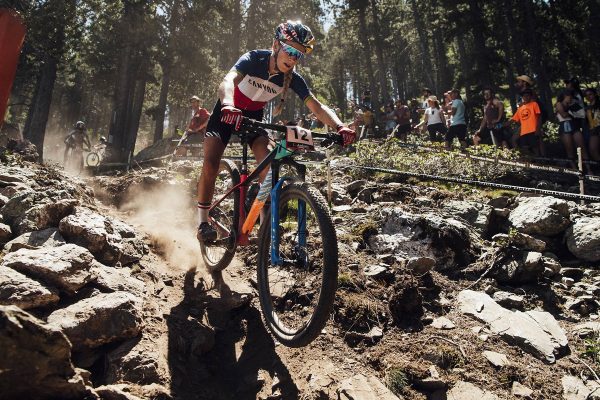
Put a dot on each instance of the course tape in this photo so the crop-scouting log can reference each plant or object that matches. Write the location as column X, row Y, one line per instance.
column 520, row 164
column 430, row 177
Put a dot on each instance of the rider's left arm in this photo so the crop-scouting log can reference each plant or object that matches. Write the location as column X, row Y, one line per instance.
column 323, row 113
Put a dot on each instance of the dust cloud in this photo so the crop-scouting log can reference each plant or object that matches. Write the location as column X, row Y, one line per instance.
column 167, row 215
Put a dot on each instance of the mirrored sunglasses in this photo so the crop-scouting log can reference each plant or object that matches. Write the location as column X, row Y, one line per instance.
column 291, row 51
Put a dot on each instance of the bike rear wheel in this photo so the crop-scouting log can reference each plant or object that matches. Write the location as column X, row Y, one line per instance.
column 92, row 159
column 224, row 218
column 297, row 295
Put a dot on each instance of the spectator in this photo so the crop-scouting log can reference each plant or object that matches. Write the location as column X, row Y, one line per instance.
column 426, row 95
column 528, row 115
column 577, row 107
column 402, row 113
column 388, row 119
column 434, row 119
column 415, row 116
column 593, row 119
column 369, row 118
column 366, row 99
column 569, row 136
column 195, row 131
column 458, row 124
column 524, row 82
column 491, row 129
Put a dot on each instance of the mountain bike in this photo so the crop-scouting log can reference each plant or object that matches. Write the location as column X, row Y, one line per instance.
column 297, row 244
column 96, row 155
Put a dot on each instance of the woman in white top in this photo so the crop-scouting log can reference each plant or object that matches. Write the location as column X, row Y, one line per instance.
column 434, row 119
column 569, row 131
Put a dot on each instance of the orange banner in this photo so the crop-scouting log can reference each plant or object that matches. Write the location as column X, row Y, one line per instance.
column 12, row 34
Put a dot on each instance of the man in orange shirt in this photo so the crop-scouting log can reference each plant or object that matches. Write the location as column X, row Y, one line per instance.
column 529, row 116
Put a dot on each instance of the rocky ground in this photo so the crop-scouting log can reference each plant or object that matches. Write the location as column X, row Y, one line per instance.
column 444, row 293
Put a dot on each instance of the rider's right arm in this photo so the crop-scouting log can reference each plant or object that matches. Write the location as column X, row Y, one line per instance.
column 227, row 86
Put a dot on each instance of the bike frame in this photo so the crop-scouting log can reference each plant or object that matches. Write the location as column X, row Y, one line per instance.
column 275, row 159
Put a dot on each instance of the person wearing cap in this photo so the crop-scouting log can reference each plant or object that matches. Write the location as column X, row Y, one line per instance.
column 528, row 115
column 434, row 119
column 195, row 129
column 458, row 123
column 524, row 82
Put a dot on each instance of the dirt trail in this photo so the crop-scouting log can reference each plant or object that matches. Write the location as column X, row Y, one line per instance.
column 244, row 361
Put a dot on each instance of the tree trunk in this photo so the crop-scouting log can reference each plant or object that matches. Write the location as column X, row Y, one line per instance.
column 137, row 102
column 40, row 109
column 236, row 32
column 382, row 67
column 480, row 51
column 537, row 58
column 162, row 102
column 366, row 45
column 423, row 43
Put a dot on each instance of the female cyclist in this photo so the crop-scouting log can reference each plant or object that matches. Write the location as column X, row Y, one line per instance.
column 255, row 79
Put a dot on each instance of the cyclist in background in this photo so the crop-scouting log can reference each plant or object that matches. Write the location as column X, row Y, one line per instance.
column 74, row 145
column 256, row 78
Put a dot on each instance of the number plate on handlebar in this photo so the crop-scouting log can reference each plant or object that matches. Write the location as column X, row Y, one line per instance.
column 297, row 138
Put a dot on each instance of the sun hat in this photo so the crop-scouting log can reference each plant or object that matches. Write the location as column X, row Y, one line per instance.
column 525, row 78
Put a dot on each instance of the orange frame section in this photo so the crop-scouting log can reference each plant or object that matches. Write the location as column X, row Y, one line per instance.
column 12, row 35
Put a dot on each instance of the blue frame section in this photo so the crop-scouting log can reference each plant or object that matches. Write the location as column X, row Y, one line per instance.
column 275, row 194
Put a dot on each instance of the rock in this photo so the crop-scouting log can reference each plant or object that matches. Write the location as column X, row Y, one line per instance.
column 536, row 332
column 406, row 302
column 115, row 392
column 342, row 208
column 583, row 305
column 36, row 359
column 519, row 268
column 568, row 282
column 551, row 265
column 583, row 238
column 574, row 273
column 499, row 202
column 519, row 390
column 3, row 200
column 420, row 265
column 574, row 388
column 476, row 214
column 375, row 271
column 468, row 391
column 498, row 360
column 546, row 216
column 101, row 319
column 527, row 242
column 446, row 240
column 443, row 323
column 44, row 216
column 32, row 240
column 371, row 337
column 110, row 241
column 5, row 233
column 532, row 261
column 21, row 291
column 354, row 187
column 118, row 279
column 66, row 267
column 139, row 362
column 509, row 300
column 360, row 387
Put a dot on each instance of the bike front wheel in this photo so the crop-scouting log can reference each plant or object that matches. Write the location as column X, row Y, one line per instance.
column 297, row 283
column 224, row 217
column 92, row 160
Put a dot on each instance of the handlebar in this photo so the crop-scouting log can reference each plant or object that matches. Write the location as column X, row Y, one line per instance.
column 328, row 138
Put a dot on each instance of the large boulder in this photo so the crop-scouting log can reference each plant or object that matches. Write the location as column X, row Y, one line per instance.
column 546, row 216
column 520, row 268
column 407, row 235
column 476, row 214
column 5, row 233
column 118, row 280
column 21, row 291
column 44, row 216
column 32, row 240
column 66, row 267
column 110, row 241
column 536, row 332
column 583, row 238
column 36, row 360
column 101, row 319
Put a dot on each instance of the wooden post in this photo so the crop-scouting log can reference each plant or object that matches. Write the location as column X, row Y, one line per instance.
column 580, row 166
